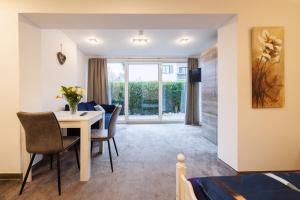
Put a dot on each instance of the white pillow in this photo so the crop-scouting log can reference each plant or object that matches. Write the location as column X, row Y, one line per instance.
column 98, row 108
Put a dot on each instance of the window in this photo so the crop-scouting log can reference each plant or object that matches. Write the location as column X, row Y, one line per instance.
column 173, row 93
column 182, row 70
column 148, row 91
column 116, row 84
column 167, row 69
column 143, row 89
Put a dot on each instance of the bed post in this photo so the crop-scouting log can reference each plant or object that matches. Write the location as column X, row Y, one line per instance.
column 180, row 171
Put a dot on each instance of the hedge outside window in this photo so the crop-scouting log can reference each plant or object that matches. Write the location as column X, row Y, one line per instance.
column 143, row 103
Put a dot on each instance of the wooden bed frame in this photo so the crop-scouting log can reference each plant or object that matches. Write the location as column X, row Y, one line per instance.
column 184, row 188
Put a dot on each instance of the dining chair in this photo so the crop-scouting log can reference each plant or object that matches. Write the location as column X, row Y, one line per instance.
column 100, row 135
column 43, row 136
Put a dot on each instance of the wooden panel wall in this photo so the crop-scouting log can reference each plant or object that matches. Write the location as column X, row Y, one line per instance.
column 208, row 63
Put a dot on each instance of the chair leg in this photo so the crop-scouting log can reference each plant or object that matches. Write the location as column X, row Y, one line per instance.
column 111, row 164
column 51, row 160
column 27, row 173
column 115, row 146
column 100, row 147
column 92, row 144
column 58, row 174
column 77, row 157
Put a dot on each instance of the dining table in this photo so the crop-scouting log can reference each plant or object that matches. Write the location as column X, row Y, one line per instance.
column 68, row 120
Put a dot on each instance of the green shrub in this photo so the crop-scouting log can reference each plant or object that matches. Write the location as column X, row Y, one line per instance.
column 173, row 93
column 143, row 96
column 117, row 91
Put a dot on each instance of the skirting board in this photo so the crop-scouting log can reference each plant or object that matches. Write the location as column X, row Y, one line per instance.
column 18, row 176
column 11, row 176
column 232, row 171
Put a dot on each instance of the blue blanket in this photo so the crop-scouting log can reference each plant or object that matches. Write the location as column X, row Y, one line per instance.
column 254, row 186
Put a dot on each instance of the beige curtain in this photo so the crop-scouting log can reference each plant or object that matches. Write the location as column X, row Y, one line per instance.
column 97, row 81
column 192, row 96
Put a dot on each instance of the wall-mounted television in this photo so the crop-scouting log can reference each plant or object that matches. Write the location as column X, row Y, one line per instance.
column 195, row 75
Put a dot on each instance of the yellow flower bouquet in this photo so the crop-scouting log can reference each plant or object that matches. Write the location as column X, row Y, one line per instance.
column 73, row 95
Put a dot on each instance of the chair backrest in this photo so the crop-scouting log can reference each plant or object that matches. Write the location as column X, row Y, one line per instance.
column 42, row 132
column 112, row 122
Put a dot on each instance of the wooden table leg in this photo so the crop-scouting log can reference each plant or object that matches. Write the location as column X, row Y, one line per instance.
column 85, row 151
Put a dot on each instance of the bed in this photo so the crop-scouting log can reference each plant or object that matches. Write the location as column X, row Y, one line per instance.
column 250, row 186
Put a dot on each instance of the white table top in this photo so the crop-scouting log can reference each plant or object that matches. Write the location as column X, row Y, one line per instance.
column 67, row 116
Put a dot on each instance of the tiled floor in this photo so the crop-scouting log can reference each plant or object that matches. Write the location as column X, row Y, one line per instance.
column 145, row 169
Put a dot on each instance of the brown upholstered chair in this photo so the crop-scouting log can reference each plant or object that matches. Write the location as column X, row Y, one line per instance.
column 107, row 134
column 43, row 136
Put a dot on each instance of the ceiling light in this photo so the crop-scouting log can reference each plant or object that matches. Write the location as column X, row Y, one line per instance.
column 184, row 40
column 140, row 39
column 93, row 40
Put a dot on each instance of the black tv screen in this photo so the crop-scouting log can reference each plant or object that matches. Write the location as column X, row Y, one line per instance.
column 195, row 75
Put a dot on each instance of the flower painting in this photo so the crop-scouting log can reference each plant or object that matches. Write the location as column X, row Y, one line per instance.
column 267, row 67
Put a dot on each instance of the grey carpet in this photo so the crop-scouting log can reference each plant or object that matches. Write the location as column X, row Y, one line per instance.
column 144, row 170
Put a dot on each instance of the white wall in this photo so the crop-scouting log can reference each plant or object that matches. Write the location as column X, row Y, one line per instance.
column 227, row 94
column 268, row 139
column 30, row 66
column 40, row 72
column 9, row 88
column 72, row 73
column 82, row 74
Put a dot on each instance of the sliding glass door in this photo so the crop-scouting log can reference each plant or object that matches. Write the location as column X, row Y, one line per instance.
column 148, row 91
column 116, row 85
column 174, row 77
column 143, row 86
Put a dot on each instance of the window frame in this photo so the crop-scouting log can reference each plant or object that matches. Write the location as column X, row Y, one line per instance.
column 160, row 62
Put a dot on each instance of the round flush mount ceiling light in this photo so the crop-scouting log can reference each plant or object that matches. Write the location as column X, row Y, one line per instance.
column 184, row 40
column 93, row 40
column 140, row 39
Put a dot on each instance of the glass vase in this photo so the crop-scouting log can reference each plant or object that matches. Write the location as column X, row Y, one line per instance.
column 73, row 108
